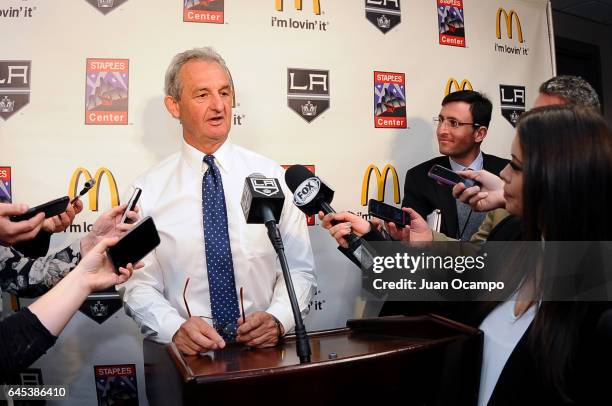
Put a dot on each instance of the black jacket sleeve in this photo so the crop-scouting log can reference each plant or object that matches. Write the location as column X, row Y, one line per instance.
column 36, row 247
column 23, row 339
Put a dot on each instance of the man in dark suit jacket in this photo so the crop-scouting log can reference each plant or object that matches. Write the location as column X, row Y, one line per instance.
column 462, row 126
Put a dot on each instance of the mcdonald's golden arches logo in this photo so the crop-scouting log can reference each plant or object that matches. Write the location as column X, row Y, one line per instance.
column 94, row 193
column 316, row 5
column 509, row 18
column 452, row 83
column 381, row 182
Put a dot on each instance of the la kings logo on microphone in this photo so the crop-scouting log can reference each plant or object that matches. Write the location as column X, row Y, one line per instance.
column 265, row 186
column 384, row 14
column 306, row 191
column 308, row 92
column 14, row 86
column 512, row 100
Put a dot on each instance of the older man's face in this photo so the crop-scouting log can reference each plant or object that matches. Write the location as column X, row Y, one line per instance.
column 205, row 106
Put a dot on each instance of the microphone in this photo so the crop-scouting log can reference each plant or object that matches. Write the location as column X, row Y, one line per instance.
column 311, row 195
column 262, row 199
column 262, row 203
column 88, row 185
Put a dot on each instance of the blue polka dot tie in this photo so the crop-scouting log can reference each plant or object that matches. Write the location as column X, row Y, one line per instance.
column 221, row 283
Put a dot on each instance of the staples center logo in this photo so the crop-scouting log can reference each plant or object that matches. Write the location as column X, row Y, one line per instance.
column 5, row 184
column 452, row 85
column 94, row 193
column 106, row 91
column 204, row 11
column 381, row 182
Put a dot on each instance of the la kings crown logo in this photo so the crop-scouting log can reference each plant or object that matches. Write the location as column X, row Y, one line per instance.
column 106, row 6
column 14, row 86
column 308, row 92
column 384, row 14
column 512, row 100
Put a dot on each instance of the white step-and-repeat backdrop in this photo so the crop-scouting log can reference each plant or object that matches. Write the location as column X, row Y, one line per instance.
column 81, row 95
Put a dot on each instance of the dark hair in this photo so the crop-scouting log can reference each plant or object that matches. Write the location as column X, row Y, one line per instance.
column 567, row 173
column 573, row 89
column 480, row 105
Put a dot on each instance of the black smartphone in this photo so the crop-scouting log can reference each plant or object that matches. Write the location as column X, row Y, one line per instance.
column 448, row 177
column 387, row 212
column 135, row 244
column 131, row 205
column 52, row 208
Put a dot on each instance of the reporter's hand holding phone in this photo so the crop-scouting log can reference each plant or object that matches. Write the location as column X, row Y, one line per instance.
column 417, row 231
column 108, row 225
column 95, row 272
column 61, row 222
column 488, row 196
column 13, row 232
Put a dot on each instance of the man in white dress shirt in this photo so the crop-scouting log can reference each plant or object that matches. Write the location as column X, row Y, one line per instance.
column 180, row 193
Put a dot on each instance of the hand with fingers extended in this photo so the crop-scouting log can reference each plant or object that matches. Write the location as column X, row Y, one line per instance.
column 417, row 231
column 108, row 225
column 346, row 223
column 195, row 335
column 14, row 232
column 62, row 221
column 98, row 272
column 488, row 196
column 259, row 330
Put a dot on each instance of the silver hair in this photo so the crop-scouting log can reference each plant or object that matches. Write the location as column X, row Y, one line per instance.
column 173, row 86
column 573, row 89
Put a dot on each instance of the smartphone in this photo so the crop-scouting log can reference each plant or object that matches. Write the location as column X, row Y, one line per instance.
column 448, row 177
column 387, row 212
column 135, row 244
column 52, row 208
column 131, row 205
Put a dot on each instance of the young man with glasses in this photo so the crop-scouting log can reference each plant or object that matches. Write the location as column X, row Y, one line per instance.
column 462, row 125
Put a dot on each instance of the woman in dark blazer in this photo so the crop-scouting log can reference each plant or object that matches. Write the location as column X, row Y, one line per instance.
column 558, row 187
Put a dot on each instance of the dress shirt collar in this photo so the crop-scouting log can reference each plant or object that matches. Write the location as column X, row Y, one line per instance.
column 475, row 166
column 195, row 158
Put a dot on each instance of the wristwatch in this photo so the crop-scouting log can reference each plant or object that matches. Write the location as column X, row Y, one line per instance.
column 279, row 326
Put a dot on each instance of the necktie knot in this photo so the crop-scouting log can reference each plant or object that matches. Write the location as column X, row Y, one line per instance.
column 209, row 160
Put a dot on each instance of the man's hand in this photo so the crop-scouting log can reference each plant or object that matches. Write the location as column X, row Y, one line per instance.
column 13, row 232
column 348, row 223
column 488, row 196
column 62, row 221
column 259, row 330
column 418, row 230
column 195, row 336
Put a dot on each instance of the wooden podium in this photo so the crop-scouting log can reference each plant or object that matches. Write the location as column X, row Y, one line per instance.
column 425, row 360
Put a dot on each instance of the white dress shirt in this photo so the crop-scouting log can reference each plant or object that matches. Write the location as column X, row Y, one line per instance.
column 502, row 332
column 172, row 195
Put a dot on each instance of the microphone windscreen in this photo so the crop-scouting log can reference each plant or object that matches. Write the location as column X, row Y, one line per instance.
column 295, row 175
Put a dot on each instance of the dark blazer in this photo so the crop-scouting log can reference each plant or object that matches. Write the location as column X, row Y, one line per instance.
column 522, row 380
column 424, row 195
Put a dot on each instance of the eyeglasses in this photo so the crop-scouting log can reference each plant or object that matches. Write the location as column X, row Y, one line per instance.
column 452, row 122
column 228, row 329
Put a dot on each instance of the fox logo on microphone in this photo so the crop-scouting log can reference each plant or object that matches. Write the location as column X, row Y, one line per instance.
column 306, row 191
